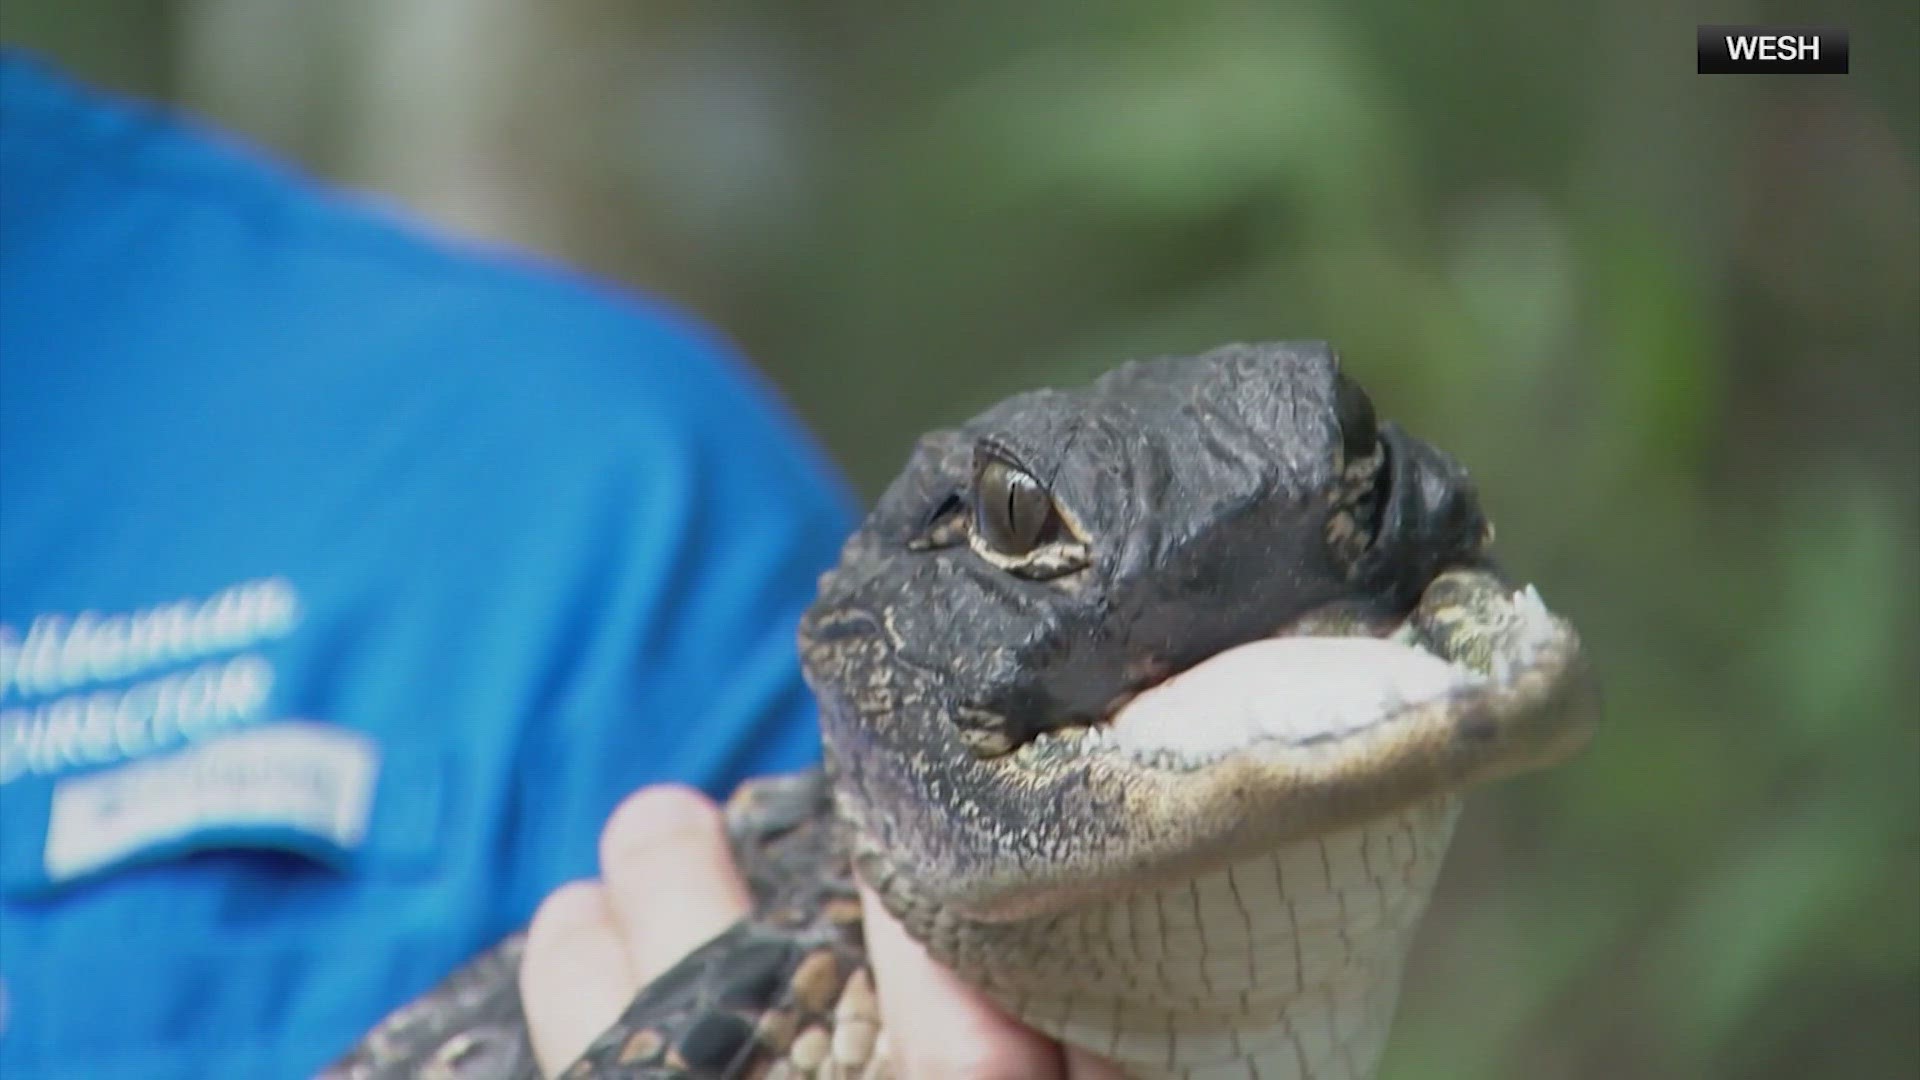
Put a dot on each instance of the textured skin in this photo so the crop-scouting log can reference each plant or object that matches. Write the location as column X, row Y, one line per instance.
column 1206, row 910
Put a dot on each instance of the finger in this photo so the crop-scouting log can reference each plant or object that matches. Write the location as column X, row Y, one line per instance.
column 940, row 1028
column 669, row 875
column 574, row 978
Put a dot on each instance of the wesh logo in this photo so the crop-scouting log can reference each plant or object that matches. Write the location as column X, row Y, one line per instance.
column 1772, row 50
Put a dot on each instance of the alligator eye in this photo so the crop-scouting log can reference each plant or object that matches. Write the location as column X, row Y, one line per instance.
column 1354, row 411
column 1012, row 513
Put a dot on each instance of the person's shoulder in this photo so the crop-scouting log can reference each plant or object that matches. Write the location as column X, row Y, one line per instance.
column 342, row 288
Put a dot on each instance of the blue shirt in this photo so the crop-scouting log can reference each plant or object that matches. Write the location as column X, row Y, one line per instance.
column 348, row 579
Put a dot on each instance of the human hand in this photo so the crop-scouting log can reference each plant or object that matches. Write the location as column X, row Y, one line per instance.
column 594, row 944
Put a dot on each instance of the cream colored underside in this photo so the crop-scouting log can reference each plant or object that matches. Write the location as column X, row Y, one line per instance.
column 1283, row 967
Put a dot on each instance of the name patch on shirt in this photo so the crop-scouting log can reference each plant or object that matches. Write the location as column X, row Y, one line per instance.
column 294, row 784
column 90, row 688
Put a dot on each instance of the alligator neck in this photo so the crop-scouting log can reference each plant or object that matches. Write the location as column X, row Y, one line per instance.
column 1283, row 965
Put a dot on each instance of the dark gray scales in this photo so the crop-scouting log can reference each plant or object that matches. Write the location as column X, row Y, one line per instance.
column 1029, row 574
column 752, row 990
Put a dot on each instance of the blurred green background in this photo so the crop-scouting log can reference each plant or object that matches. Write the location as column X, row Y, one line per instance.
column 1671, row 322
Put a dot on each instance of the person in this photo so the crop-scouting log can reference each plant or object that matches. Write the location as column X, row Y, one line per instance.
column 350, row 577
